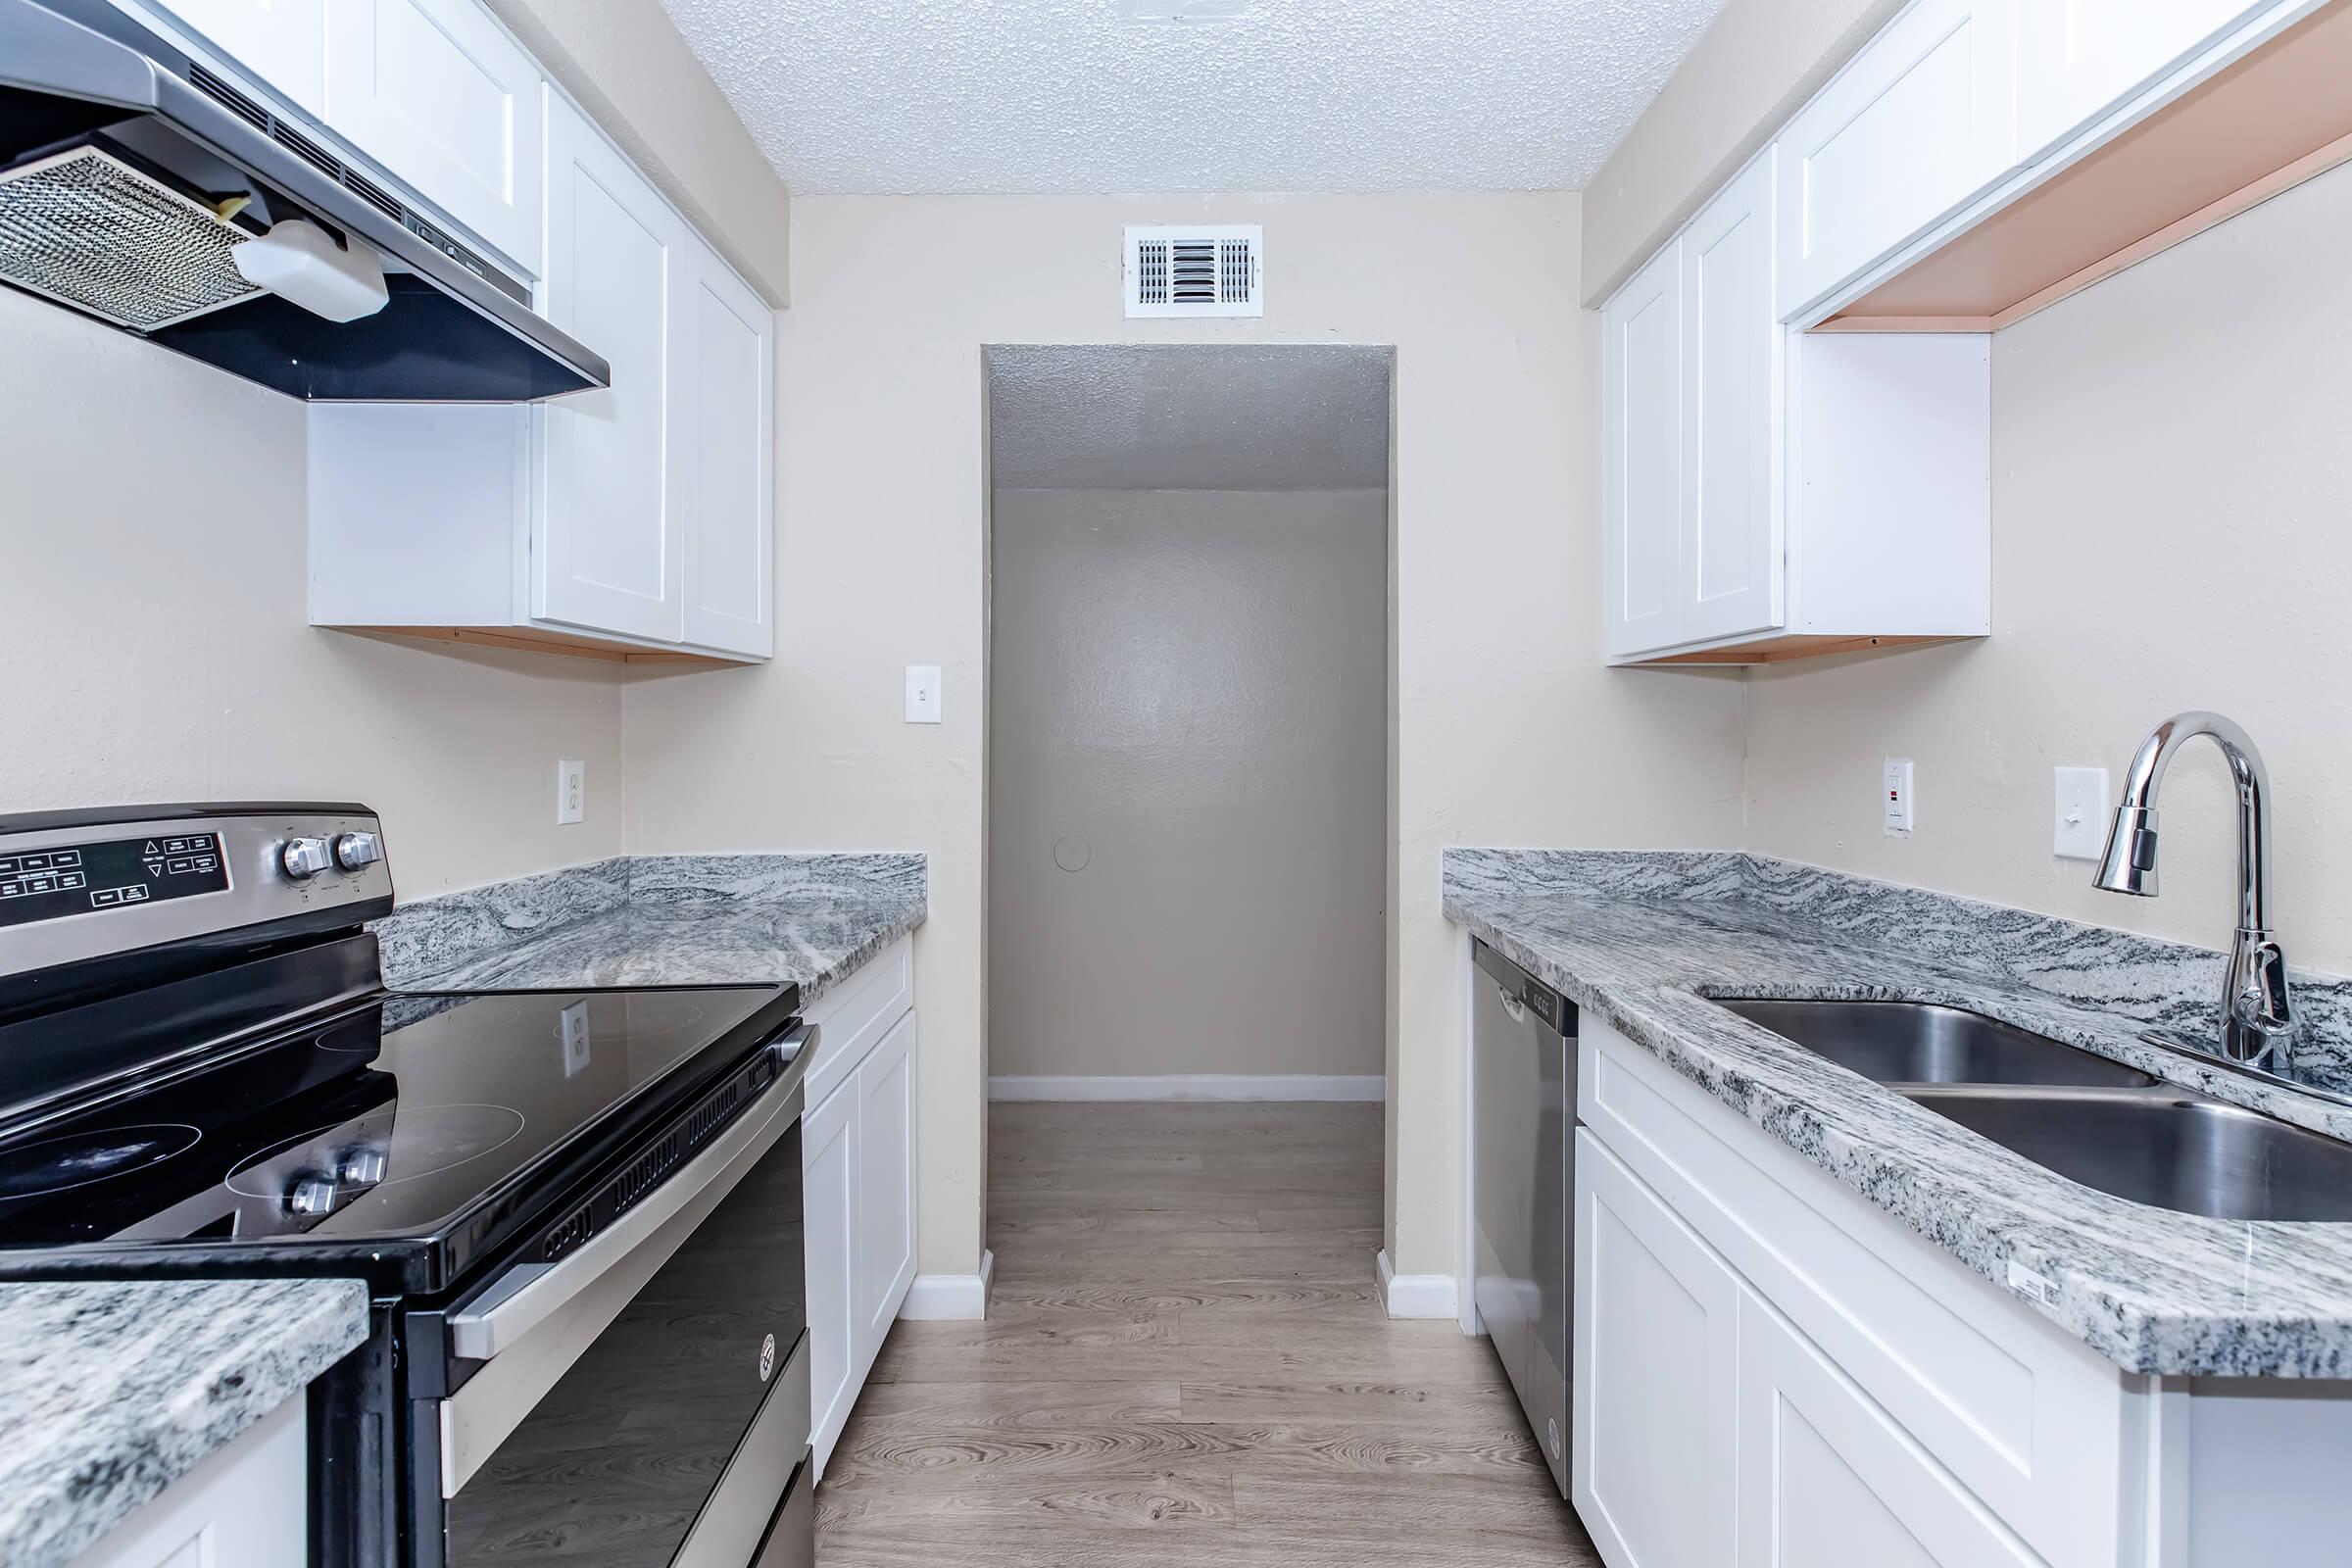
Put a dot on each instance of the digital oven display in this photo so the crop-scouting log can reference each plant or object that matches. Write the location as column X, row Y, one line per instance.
column 51, row 884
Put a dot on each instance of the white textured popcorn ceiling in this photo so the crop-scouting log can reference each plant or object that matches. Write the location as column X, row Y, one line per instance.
column 1036, row 96
column 1188, row 417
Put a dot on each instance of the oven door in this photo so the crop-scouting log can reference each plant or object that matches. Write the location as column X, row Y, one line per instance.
column 644, row 1402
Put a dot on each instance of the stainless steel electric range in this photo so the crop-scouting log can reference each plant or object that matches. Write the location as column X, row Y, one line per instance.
column 578, row 1213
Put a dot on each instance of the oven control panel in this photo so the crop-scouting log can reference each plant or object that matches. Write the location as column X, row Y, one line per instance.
column 45, row 884
column 77, row 885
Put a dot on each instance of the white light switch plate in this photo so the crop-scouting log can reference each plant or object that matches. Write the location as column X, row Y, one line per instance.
column 2080, row 830
column 1897, row 795
column 571, row 791
column 922, row 693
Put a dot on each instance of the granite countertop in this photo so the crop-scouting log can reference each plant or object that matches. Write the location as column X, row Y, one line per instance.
column 662, row 920
column 114, row 1390
column 1644, row 938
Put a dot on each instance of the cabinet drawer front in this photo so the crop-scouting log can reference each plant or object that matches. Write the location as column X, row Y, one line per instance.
column 1922, row 120
column 856, row 1014
column 2029, row 1419
column 1651, row 1471
column 1827, row 1480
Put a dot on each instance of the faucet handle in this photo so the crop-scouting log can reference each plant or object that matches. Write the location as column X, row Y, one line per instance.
column 2261, row 1002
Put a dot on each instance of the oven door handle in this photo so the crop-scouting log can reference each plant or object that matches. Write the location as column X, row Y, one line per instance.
column 528, row 1294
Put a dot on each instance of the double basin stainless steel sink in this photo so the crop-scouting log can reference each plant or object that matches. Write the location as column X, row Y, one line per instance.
column 2094, row 1121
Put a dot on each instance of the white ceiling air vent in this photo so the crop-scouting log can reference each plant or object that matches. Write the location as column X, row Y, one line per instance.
column 1209, row 269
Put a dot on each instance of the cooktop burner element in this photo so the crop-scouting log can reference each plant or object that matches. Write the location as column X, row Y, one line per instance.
column 77, row 1160
column 425, row 1141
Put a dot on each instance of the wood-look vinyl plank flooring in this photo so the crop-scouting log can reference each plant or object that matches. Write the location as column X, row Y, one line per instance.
column 1186, row 1362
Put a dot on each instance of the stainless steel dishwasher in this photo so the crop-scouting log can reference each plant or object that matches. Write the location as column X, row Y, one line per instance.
column 1523, row 1118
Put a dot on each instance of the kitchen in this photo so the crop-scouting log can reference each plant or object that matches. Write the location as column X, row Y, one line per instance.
column 2066, row 270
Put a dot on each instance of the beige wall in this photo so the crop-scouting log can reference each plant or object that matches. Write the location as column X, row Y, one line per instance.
column 1511, row 729
column 1756, row 64
column 630, row 68
column 1192, row 685
column 2171, row 475
column 157, row 640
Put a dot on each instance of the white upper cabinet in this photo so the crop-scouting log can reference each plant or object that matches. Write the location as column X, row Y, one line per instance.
column 724, row 435
column 280, row 43
column 1641, row 461
column 2076, row 59
column 440, row 95
column 1730, row 578
column 608, row 539
column 1922, row 120
column 634, row 521
column 1693, row 519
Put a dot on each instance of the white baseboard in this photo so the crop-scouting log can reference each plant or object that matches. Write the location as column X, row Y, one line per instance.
column 942, row 1298
column 1372, row 1087
column 1415, row 1294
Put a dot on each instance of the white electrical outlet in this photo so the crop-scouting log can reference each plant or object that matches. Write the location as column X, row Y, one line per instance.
column 1898, row 796
column 576, row 1042
column 922, row 693
column 571, row 791
column 2079, row 831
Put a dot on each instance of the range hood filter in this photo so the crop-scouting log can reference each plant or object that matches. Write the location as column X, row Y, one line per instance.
column 88, row 229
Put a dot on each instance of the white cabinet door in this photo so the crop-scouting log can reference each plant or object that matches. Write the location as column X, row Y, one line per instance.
column 828, row 1195
column 246, row 1505
column 725, row 438
column 280, row 43
column 608, row 539
column 1826, row 1479
column 1653, row 1472
column 882, row 1262
column 1641, row 459
column 1730, row 578
column 1922, row 120
column 436, row 92
column 2077, row 59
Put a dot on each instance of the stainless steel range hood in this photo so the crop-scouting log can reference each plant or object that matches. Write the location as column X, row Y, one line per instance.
column 129, row 172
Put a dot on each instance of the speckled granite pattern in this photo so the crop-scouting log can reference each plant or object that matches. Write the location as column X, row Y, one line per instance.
column 111, row 1390
column 681, row 919
column 437, row 934
column 1643, row 940
column 2170, row 987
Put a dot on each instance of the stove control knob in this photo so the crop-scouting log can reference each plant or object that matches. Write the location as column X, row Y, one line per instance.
column 356, row 851
column 304, row 858
column 361, row 1167
column 311, row 1194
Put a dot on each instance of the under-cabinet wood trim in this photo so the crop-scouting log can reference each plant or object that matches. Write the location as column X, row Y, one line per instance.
column 537, row 640
column 2240, row 95
column 1781, row 650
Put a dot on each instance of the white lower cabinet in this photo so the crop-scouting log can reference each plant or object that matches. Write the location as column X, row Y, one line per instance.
column 1656, row 1345
column 829, row 1176
column 244, row 1506
column 1827, row 1480
column 1772, row 1372
column 858, row 1144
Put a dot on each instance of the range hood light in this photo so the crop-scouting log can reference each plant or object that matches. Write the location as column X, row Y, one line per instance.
column 302, row 265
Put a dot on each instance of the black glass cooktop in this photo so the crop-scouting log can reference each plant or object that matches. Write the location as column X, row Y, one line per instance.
column 387, row 1130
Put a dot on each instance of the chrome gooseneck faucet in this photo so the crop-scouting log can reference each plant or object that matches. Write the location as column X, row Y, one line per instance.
column 2256, row 1018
